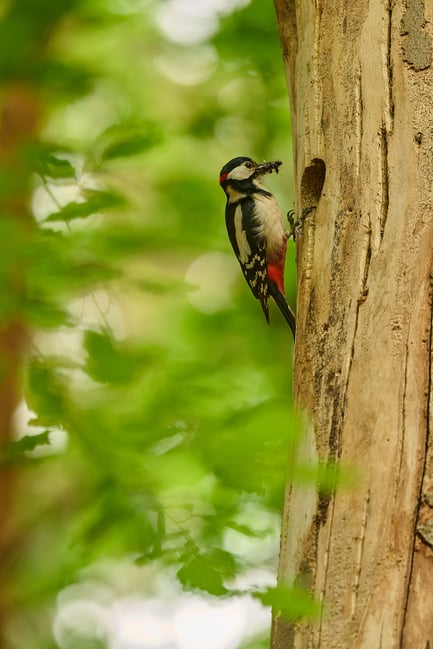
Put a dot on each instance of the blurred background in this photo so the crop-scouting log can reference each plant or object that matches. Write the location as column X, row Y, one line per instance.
column 143, row 471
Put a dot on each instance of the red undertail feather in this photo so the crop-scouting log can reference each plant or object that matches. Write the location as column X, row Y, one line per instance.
column 276, row 275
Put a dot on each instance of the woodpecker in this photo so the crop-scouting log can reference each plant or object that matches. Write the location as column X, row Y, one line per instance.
column 256, row 231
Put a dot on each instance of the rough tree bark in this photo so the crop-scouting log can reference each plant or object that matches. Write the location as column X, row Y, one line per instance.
column 360, row 81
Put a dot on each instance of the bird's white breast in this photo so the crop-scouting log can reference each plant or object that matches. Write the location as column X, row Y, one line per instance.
column 269, row 221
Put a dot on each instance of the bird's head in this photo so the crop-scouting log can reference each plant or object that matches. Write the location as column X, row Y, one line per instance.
column 242, row 173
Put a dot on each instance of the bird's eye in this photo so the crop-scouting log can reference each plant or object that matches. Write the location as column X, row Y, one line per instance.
column 249, row 165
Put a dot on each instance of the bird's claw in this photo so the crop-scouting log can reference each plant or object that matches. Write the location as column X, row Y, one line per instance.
column 296, row 226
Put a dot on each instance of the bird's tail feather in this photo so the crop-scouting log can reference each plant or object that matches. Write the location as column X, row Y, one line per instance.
column 283, row 306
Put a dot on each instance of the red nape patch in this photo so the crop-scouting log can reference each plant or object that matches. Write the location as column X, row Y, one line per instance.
column 275, row 274
column 223, row 177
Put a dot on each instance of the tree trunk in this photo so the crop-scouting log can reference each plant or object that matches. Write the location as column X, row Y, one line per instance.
column 360, row 82
column 19, row 111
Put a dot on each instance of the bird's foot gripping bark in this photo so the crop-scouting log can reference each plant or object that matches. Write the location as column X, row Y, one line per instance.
column 297, row 225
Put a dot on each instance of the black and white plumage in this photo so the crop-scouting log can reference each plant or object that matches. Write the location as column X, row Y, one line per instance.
column 256, row 230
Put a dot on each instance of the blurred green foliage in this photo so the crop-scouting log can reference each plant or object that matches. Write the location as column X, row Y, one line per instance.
column 160, row 421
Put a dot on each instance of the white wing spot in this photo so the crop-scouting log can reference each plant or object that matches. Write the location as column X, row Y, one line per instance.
column 241, row 237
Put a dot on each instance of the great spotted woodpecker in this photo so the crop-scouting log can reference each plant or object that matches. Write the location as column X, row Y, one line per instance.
column 256, row 230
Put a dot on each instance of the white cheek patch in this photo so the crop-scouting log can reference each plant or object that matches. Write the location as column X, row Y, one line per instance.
column 240, row 173
column 241, row 237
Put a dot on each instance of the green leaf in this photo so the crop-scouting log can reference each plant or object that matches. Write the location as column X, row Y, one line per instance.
column 128, row 138
column 291, row 602
column 96, row 202
column 207, row 571
column 109, row 361
column 44, row 314
column 120, row 521
column 48, row 165
column 30, row 442
column 46, row 393
column 131, row 145
column 14, row 452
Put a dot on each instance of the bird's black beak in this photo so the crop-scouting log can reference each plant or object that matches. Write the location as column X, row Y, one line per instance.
column 268, row 167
